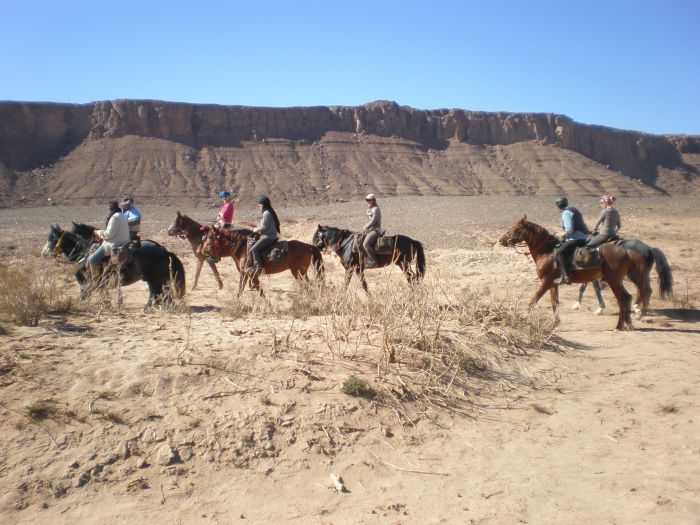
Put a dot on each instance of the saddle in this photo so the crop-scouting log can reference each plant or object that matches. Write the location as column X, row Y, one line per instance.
column 122, row 255
column 275, row 253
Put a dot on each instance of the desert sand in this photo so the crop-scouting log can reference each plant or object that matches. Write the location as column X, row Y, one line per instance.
column 230, row 410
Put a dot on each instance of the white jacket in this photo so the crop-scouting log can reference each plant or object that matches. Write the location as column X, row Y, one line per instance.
column 116, row 234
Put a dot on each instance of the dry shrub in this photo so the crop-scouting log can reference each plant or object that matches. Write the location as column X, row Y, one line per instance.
column 29, row 292
column 427, row 341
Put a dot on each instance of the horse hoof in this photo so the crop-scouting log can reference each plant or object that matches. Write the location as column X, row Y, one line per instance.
column 576, row 306
column 599, row 311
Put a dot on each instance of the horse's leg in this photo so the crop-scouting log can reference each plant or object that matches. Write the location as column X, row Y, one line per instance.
column 348, row 276
column 405, row 266
column 545, row 285
column 197, row 270
column 578, row 302
column 624, row 318
column 212, row 265
column 361, row 276
column 599, row 295
column 554, row 298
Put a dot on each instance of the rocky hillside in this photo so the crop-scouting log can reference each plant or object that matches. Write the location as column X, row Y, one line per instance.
column 172, row 152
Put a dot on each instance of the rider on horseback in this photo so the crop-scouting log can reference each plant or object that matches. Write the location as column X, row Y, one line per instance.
column 574, row 234
column 223, row 221
column 114, row 236
column 372, row 230
column 133, row 217
column 268, row 234
column 608, row 220
column 225, row 217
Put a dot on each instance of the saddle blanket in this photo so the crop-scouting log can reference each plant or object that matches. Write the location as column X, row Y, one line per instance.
column 274, row 253
column 585, row 257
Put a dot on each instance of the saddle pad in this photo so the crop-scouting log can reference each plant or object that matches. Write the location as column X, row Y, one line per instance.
column 585, row 257
column 277, row 252
column 385, row 245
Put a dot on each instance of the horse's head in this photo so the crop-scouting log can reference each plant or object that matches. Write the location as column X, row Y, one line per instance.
column 83, row 230
column 325, row 237
column 515, row 235
column 177, row 227
column 55, row 234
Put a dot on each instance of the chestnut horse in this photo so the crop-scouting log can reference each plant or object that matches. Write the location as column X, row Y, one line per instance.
column 616, row 264
column 298, row 258
column 187, row 228
column 405, row 251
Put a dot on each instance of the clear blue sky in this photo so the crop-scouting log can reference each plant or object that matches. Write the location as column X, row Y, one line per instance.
column 629, row 64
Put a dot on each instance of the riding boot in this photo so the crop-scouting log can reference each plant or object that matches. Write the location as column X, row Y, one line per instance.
column 561, row 263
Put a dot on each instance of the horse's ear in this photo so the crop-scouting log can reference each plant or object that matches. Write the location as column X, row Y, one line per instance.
column 178, row 213
column 320, row 227
column 524, row 218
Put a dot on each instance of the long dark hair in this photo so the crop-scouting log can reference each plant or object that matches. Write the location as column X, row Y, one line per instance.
column 265, row 201
column 113, row 208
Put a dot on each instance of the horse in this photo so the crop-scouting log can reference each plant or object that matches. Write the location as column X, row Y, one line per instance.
column 149, row 262
column 405, row 251
column 187, row 228
column 74, row 247
column 647, row 256
column 616, row 264
column 297, row 259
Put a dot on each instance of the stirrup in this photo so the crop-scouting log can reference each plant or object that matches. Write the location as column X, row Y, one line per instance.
column 213, row 259
column 370, row 263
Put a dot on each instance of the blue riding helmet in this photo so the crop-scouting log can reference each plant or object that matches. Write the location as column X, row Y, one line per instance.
column 224, row 194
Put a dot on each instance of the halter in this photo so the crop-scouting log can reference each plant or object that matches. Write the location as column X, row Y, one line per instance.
column 57, row 246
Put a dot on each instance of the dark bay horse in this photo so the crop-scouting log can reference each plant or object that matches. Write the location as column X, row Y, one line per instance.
column 150, row 262
column 187, row 228
column 298, row 259
column 647, row 256
column 616, row 264
column 406, row 250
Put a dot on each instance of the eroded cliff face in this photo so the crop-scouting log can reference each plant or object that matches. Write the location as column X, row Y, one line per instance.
column 93, row 150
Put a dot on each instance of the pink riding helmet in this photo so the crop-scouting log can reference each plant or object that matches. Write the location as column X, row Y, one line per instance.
column 608, row 198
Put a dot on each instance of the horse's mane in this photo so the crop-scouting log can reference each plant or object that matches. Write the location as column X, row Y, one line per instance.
column 189, row 222
column 548, row 240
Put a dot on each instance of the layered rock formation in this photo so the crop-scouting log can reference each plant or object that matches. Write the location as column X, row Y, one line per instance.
column 170, row 151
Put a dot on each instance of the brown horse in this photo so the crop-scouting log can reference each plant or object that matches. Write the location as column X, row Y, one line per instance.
column 405, row 251
column 298, row 258
column 616, row 264
column 187, row 228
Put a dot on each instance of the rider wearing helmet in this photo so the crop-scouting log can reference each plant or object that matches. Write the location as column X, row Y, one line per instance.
column 574, row 232
column 268, row 230
column 372, row 230
column 608, row 221
column 225, row 217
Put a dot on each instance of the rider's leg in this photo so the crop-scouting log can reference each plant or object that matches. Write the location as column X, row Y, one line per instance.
column 368, row 245
column 95, row 261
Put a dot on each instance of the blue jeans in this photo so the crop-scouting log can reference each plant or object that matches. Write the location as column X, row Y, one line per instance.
column 98, row 255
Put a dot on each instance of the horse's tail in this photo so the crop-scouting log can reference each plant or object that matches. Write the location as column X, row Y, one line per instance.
column 420, row 259
column 663, row 270
column 317, row 261
column 177, row 272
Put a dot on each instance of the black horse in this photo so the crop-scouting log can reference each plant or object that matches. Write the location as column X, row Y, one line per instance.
column 149, row 262
column 342, row 242
column 650, row 256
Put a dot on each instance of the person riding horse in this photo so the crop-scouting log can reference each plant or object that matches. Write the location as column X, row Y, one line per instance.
column 574, row 233
column 133, row 217
column 372, row 230
column 268, row 232
column 608, row 221
column 115, row 235
column 225, row 217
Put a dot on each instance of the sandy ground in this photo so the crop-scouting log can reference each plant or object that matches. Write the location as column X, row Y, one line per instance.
column 207, row 417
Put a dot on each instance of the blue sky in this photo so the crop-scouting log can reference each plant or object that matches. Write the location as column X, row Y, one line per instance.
column 624, row 64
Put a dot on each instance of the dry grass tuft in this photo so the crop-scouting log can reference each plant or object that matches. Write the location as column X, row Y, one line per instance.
column 30, row 292
column 42, row 409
